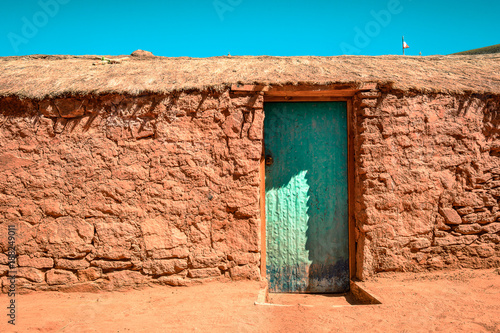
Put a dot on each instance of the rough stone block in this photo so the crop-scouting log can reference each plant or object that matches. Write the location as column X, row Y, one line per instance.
column 114, row 240
column 233, row 124
column 21, row 284
column 66, row 237
column 436, row 262
column 72, row 264
column 59, row 277
column 205, row 261
column 178, row 252
column 421, row 243
column 389, row 262
column 470, row 218
column 89, row 274
column 4, row 270
column 164, row 267
column 451, row 216
column 447, row 240
column 175, row 281
column 490, row 238
column 125, row 279
column 485, row 217
column 111, row 265
column 256, row 131
column 465, row 210
column 469, row 199
column 31, row 274
column 52, row 208
column 159, row 234
column 26, row 261
column 246, row 272
column 468, row 229
column 244, row 258
column 491, row 228
column 485, row 250
column 204, row 273
column 368, row 102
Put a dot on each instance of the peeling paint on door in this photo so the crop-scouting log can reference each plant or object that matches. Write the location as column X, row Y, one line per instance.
column 306, row 197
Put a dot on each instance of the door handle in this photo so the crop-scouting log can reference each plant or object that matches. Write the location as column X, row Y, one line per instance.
column 269, row 160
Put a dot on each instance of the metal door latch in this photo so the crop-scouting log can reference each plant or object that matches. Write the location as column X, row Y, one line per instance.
column 269, row 160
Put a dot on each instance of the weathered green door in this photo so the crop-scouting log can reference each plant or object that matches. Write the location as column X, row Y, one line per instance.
column 306, row 197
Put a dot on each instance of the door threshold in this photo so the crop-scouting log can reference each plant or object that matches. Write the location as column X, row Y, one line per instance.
column 357, row 295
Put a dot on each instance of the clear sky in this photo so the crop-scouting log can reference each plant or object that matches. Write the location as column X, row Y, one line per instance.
column 206, row 28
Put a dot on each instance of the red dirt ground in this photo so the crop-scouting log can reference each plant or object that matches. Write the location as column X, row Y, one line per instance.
column 451, row 301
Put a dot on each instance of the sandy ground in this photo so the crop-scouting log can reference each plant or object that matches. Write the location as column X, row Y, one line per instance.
column 452, row 301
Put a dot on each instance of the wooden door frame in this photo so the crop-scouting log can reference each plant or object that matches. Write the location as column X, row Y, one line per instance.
column 311, row 93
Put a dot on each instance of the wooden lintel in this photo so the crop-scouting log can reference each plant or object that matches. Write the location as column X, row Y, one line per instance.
column 302, row 87
column 338, row 90
column 311, row 93
column 305, row 98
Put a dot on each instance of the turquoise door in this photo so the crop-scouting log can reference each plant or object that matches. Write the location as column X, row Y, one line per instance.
column 306, row 197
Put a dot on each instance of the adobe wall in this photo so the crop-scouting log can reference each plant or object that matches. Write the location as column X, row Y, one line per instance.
column 116, row 191
column 427, row 182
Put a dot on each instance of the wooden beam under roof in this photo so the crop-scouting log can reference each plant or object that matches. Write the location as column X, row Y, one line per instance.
column 304, row 91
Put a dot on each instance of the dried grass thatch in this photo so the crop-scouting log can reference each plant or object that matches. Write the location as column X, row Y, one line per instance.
column 40, row 76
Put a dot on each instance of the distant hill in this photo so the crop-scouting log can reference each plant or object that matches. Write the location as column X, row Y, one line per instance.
column 483, row 50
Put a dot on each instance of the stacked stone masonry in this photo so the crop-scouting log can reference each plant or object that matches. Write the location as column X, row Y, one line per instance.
column 116, row 191
column 427, row 184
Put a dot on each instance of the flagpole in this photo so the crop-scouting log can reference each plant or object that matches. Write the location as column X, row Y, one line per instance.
column 403, row 44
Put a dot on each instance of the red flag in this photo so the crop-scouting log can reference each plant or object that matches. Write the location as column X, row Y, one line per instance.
column 405, row 46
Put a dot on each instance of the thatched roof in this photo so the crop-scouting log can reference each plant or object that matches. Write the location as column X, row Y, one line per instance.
column 38, row 76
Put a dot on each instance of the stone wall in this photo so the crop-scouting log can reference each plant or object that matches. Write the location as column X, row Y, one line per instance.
column 427, row 181
column 116, row 191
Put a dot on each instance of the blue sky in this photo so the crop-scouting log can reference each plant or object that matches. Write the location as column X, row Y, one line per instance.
column 206, row 28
